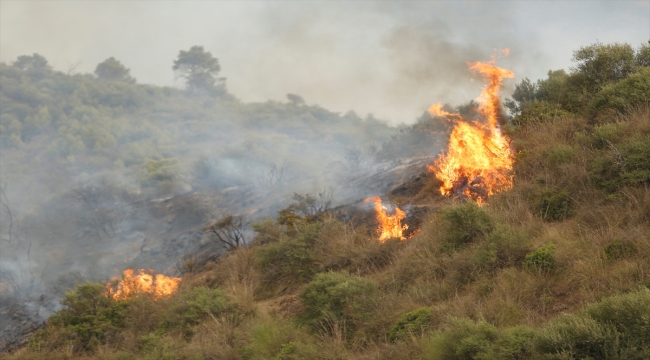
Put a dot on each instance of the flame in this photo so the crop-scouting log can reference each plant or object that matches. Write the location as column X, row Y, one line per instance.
column 144, row 282
column 390, row 226
column 479, row 160
column 436, row 110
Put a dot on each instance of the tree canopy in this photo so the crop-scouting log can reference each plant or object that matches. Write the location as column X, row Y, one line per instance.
column 113, row 70
column 199, row 69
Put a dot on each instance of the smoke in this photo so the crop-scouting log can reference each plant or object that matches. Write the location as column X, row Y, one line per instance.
column 389, row 59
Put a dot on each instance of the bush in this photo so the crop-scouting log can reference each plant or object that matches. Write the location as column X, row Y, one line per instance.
column 194, row 305
column 554, row 205
column 466, row 223
column 465, row 339
column 336, row 298
column 413, row 322
column 290, row 261
column 618, row 250
column 88, row 319
column 635, row 153
column 542, row 259
column 278, row 341
column 560, row 155
column 510, row 246
column 624, row 94
column 615, row 328
column 539, row 111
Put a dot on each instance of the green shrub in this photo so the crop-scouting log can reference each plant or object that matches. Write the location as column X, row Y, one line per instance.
column 290, row 261
column 463, row 339
column 539, row 111
column 618, row 250
column 279, row 341
column 336, row 297
column 554, row 205
column 194, row 306
column 542, row 259
column 625, row 94
column 605, row 174
column 413, row 322
column 466, row 223
column 635, row 154
column 510, row 246
column 88, row 319
column 561, row 154
column 614, row 328
column 606, row 134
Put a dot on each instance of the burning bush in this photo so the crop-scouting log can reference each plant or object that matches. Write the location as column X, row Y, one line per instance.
column 390, row 226
column 144, row 282
column 478, row 161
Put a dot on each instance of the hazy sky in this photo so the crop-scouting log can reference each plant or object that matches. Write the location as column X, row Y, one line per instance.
column 391, row 59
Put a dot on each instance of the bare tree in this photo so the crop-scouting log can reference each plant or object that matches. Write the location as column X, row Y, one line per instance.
column 228, row 231
column 11, row 216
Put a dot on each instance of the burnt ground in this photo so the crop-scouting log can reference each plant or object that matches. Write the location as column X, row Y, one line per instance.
column 162, row 234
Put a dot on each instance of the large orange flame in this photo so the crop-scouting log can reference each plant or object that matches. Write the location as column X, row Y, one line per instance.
column 144, row 282
column 390, row 226
column 478, row 161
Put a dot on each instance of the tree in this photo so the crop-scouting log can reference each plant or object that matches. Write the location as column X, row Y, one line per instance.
column 296, row 100
column 34, row 62
column 200, row 69
column 113, row 70
column 602, row 64
column 228, row 231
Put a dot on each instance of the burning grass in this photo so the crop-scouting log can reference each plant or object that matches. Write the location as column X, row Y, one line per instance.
column 136, row 282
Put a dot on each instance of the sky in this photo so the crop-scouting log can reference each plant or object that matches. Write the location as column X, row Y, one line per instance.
column 389, row 59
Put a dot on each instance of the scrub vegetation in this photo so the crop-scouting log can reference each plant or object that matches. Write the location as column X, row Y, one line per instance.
column 556, row 268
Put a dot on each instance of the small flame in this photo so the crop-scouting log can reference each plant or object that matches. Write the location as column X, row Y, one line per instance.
column 479, row 160
column 144, row 282
column 390, row 226
column 436, row 110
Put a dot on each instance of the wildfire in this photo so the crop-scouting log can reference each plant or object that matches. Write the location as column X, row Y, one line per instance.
column 390, row 226
column 144, row 282
column 478, row 161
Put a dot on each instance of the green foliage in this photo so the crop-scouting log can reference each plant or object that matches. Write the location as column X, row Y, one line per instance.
column 291, row 260
column 561, row 154
column 539, row 111
column 625, row 94
column 113, row 70
column 615, row 328
column 267, row 230
column 554, row 205
column 412, row 323
column 88, row 319
column 194, row 306
column 161, row 171
column 635, row 153
column 200, row 69
column 279, row 341
column 33, row 62
column 619, row 249
column 336, row 298
column 542, row 259
column 465, row 339
column 466, row 223
column 510, row 247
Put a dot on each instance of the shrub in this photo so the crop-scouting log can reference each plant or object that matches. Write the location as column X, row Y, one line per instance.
column 278, row 341
column 560, row 155
column 605, row 174
column 336, row 297
column 619, row 249
column 413, row 322
column 290, row 261
column 615, row 328
column 539, row 111
column 463, row 339
column 510, row 246
column 466, row 223
column 607, row 134
column 635, row 154
column 625, row 94
column 554, row 205
column 542, row 259
column 194, row 306
column 88, row 319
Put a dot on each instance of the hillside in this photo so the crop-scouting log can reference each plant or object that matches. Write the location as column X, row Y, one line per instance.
column 556, row 267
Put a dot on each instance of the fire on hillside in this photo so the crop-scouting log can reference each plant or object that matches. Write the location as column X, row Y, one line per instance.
column 158, row 286
column 478, row 161
column 390, row 226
